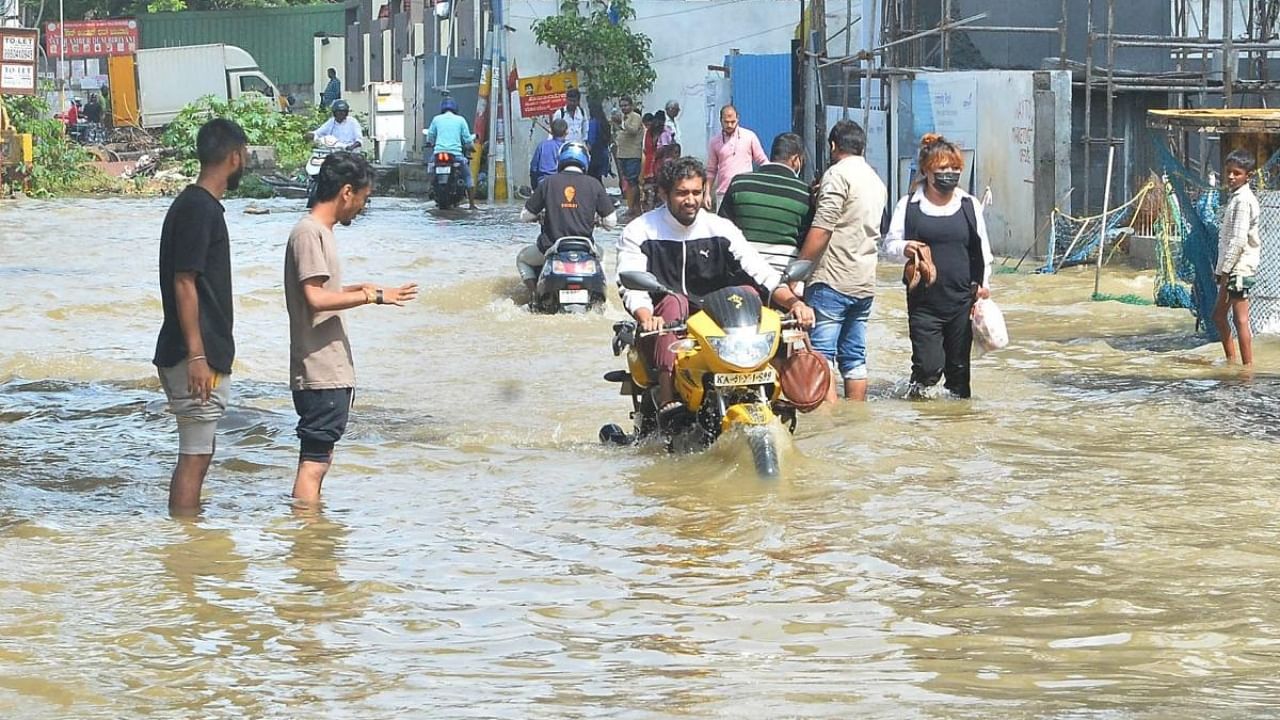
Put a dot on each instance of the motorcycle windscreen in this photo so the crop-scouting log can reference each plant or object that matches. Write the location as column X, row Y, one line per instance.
column 733, row 307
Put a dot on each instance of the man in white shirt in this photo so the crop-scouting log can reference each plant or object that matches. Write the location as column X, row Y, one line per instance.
column 341, row 126
column 673, row 111
column 576, row 117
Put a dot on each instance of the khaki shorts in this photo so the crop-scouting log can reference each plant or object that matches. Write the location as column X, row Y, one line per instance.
column 197, row 421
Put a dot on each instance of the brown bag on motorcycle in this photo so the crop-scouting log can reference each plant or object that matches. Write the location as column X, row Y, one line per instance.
column 805, row 375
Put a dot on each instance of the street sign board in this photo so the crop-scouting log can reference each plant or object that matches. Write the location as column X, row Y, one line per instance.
column 18, row 61
column 541, row 95
column 91, row 38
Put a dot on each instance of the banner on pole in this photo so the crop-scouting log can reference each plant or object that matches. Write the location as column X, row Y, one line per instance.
column 91, row 38
column 541, row 95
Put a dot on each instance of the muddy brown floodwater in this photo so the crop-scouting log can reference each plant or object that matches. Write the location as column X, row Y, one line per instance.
column 1093, row 536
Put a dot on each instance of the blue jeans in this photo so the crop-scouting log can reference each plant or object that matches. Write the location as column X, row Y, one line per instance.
column 840, row 330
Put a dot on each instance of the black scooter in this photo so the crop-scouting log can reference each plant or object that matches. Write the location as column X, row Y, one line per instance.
column 447, row 186
column 572, row 278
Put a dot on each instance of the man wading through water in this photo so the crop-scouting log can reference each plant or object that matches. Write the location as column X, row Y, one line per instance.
column 195, row 348
column 322, row 374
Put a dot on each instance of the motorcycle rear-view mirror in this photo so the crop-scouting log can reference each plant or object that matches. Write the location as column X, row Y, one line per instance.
column 797, row 270
column 645, row 281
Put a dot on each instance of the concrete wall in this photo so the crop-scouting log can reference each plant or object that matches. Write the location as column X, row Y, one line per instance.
column 993, row 116
column 687, row 37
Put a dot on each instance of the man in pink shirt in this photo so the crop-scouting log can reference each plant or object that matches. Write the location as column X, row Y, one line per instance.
column 734, row 151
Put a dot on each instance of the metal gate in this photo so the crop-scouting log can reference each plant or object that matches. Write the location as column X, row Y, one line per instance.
column 761, row 87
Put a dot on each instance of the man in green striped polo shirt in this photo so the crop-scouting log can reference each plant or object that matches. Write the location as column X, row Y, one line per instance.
column 772, row 206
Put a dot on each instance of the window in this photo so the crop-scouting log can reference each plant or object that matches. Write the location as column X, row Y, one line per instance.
column 256, row 84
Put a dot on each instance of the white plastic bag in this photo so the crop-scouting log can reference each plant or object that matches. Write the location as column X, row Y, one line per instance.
column 989, row 330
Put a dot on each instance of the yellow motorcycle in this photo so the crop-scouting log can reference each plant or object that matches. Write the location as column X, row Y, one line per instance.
column 725, row 379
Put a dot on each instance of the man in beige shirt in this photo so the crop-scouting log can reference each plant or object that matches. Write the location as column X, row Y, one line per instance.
column 628, row 137
column 322, row 374
column 843, row 240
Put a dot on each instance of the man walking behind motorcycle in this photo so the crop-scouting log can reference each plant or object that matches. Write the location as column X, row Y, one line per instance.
column 568, row 204
column 695, row 252
column 322, row 374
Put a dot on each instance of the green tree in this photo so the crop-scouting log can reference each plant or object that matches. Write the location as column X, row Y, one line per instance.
column 613, row 60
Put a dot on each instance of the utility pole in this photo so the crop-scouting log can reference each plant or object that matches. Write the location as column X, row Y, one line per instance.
column 807, row 65
column 62, row 59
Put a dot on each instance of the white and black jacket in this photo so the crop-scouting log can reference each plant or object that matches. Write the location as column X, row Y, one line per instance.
column 697, row 259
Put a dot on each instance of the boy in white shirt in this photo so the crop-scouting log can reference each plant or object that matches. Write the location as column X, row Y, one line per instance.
column 1239, row 251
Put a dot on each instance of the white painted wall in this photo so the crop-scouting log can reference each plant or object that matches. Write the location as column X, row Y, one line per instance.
column 996, row 129
column 687, row 36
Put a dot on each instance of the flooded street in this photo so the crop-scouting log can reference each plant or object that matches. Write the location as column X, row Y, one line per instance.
column 1093, row 536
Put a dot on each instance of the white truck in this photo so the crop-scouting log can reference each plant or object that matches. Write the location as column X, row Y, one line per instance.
column 171, row 78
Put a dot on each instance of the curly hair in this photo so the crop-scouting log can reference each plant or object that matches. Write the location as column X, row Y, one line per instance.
column 681, row 169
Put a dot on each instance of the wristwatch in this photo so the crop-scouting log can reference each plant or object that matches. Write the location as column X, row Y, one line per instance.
column 380, row 301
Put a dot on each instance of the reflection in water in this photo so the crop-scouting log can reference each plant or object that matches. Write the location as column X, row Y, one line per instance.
column 206, row 629
column 1091, row 536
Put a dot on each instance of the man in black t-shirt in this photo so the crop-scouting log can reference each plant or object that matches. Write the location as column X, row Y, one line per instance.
column 195, row 349
column 568, row 204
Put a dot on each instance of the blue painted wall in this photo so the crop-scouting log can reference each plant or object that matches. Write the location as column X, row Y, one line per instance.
column 761, row 87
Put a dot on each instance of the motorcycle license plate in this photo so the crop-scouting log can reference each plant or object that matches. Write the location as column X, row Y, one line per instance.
column 759, row 377
column 443, row 170
column 574, row 297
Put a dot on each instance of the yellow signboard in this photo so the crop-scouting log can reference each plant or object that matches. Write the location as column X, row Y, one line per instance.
column 542, row 95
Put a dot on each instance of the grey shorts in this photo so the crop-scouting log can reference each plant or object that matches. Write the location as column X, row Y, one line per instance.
column 197, row 421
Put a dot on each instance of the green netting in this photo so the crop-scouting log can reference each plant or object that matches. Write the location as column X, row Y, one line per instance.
column 1076, row 240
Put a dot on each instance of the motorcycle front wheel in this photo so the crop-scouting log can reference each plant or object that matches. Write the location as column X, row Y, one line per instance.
column 764, row 453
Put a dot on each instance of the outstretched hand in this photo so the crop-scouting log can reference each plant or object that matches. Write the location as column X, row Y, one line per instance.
column 400, row 295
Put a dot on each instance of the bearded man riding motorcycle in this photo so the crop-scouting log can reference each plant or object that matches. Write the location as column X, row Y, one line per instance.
column 694, row 252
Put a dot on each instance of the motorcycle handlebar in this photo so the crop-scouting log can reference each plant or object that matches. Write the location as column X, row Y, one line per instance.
column 668, row 329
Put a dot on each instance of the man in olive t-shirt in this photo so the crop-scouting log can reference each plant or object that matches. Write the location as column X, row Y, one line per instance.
column 195, row 349
column 322, row 374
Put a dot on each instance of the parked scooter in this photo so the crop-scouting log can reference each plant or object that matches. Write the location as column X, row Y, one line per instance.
column 447, row 186
column 87, row 133
column 572, row 278
column 724, row 376
column 324, row 147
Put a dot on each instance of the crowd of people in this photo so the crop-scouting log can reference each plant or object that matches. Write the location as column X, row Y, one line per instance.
column 765, row 217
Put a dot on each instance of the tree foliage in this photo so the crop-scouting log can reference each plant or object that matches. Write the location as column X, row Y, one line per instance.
column 612, row 60
column 82, row 9
column 262, row 123
column 59, row 165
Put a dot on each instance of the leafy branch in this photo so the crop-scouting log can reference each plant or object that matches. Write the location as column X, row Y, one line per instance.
column 612, row 59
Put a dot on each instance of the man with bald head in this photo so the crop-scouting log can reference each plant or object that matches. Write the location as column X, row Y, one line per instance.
column 733, row 151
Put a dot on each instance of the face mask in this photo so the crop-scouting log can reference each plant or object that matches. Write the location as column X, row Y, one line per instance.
column 946, row 181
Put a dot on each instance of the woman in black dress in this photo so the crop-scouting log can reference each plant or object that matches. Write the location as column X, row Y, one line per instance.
column 947, row 221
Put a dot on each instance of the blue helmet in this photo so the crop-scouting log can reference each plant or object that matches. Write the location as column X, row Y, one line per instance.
column 449, row 105
column 574, row 153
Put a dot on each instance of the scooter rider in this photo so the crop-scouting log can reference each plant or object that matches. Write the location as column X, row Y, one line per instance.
column 695, row 252
column 568, row 204
column 342, row 127
column 450, row 133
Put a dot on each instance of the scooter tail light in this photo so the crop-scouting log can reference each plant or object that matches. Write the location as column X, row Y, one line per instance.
column 442, row 157
column 569, row 267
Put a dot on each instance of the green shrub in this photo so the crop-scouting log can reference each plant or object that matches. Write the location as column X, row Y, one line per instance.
column 59, row 165
column 262, row 123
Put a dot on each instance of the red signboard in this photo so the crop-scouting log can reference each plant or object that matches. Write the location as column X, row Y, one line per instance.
column 91, row 38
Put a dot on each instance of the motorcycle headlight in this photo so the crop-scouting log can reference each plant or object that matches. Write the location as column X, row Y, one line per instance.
column 746, row 350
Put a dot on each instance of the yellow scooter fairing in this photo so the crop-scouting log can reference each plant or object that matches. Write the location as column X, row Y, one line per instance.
column 746, row 415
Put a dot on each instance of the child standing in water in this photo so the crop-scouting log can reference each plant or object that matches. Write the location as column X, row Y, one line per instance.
column 1239, row 251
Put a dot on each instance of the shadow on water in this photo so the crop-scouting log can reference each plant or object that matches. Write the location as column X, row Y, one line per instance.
column 1235, row 405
